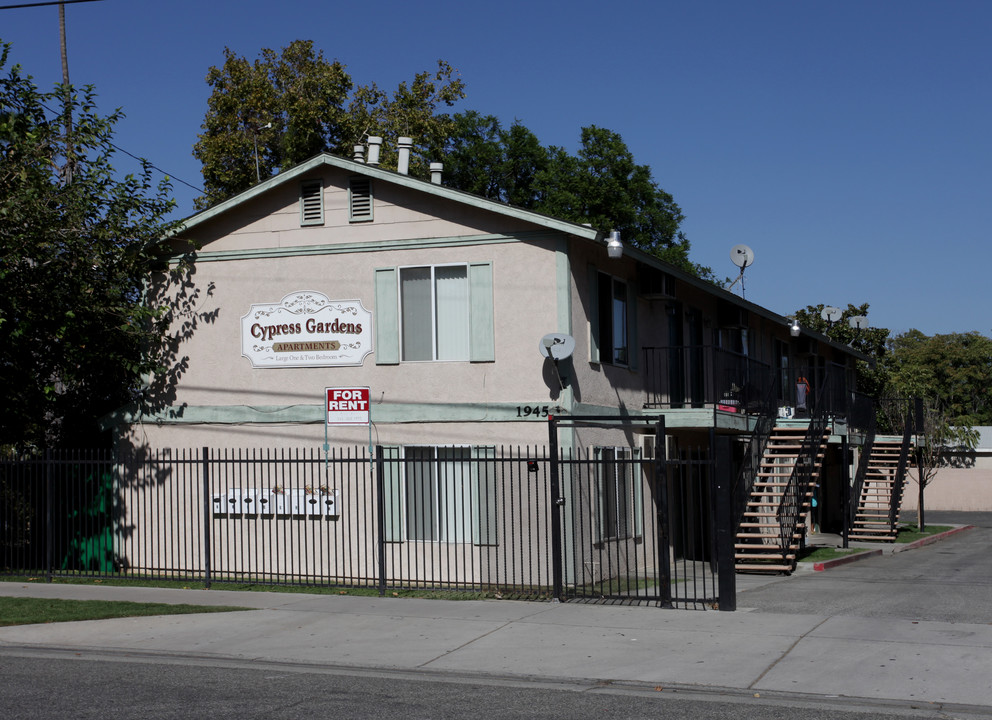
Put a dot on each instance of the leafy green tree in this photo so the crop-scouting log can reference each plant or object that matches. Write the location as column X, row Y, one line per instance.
column 284, row 108
column 950, row 374
column 75, row 333
column 601, row 185
column 873, row 376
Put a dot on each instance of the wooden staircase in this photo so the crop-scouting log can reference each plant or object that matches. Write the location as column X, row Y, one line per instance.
column 872, row 520
column 759, row 546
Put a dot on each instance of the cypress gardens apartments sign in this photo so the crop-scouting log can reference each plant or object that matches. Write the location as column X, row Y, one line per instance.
column 306, row 329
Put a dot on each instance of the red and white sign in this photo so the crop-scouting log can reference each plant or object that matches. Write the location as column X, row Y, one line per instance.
column 348, row 405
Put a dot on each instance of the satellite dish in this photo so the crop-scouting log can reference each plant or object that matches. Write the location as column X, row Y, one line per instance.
column 830, row 314
column 858, row 322
column 557, row 346
column 742, row 256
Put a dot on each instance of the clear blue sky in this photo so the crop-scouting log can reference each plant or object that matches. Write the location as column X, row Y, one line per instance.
column 848, row 142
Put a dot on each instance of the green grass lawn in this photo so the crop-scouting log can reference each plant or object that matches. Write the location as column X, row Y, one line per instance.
column 813, row 553
column 911, row 533
column 30, row 611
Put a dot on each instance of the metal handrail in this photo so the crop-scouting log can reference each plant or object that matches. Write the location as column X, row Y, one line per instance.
column 895, row 499
column 862, row 472
column 800, row 481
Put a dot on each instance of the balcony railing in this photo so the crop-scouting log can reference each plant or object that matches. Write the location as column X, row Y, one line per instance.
column 705, row 376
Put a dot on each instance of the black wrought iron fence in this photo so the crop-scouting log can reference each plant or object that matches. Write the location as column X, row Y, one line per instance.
column 469, row 518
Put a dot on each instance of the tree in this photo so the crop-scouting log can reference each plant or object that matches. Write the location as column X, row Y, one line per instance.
column 284, row 108
column 872, row 376
column 601, row 185
column 75, row 333
column 950, row 374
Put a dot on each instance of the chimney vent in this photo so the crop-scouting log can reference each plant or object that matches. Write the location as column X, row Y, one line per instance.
column 375, row 144
column 404, row 144
column 436, row 170
column 358, row 153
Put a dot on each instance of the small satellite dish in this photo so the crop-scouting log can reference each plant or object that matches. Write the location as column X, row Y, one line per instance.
column 858, row 322
column 557, row 346
column 831, row 314
column 742, row 256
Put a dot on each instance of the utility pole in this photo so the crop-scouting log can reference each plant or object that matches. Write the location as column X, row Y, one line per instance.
column 70, row 160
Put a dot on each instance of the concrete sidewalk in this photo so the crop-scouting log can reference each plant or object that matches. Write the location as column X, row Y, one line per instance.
column 916, row 664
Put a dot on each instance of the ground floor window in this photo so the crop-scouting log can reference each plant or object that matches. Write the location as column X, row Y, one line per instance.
column 619, row 484
column 440, row 494
column 437, row 493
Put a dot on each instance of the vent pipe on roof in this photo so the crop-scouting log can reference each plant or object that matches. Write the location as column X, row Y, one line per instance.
column 375, row 143
column 358, row 154
column 404, row 144
column 436, row 170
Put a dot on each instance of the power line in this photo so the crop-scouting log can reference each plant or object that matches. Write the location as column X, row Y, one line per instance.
column 41, row 4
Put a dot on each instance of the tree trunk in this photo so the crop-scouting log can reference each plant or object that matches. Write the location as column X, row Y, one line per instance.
column 67, row 171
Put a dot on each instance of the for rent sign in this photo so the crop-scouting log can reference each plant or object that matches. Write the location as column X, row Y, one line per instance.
column 347, row 405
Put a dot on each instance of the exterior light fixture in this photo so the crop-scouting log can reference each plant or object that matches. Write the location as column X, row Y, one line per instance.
column 614, row 248
column 794, row 328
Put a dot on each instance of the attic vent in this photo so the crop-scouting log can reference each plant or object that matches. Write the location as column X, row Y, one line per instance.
column 312, row 202
column 360, row 199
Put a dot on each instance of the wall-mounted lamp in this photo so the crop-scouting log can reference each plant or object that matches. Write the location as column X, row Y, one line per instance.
column 794, row 328
column 614, row 248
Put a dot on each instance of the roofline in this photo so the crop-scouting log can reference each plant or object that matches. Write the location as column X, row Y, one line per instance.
column 584, row 232
column 391, row 176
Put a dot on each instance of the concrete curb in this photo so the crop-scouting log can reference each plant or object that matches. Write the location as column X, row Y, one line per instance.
column 932, row 538
column 827, row 564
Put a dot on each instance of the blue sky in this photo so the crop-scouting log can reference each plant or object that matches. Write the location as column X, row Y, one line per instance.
column 848, row 143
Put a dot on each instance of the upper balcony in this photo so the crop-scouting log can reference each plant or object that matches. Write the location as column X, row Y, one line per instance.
column 710, row 378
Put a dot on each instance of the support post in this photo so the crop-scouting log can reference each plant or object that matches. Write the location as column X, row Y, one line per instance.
column 845, row 463
column 50, row 531
column 556, row 502
column 662, row 520
column 207, row 507
column 723, row 477
column 380, row 491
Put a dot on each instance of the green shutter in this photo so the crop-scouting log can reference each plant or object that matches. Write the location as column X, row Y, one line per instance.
column 392, row 473
column 484, row 496
column 482, row 343
column 593, row 314
column 387, row 318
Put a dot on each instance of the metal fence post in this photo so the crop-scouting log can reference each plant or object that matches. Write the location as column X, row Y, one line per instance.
column 663, row 521
column 723, row 506
column 49, row 532
column 556, row 503
column 845, row 478
column 207, row 509
column 380, row 491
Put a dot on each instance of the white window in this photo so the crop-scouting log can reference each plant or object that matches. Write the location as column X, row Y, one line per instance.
column 437, row 494
column 620, row 493
column 434, row 312
column 439, row 312
column 442, row 493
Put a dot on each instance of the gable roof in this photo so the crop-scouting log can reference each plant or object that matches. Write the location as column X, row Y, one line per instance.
column 391, row 176
column 583, row 232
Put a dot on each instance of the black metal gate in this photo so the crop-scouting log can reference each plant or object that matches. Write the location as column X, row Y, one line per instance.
column 630, row 524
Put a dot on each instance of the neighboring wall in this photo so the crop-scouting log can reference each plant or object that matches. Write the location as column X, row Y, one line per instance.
column 964, row 484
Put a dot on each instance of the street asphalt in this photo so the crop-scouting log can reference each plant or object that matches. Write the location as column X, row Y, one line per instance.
column 926, row 665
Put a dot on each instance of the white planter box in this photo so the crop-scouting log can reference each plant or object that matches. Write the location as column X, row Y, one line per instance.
column 297, row 504
column 249, row 502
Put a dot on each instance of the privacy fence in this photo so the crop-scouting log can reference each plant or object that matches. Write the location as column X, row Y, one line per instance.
column 608, row 524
